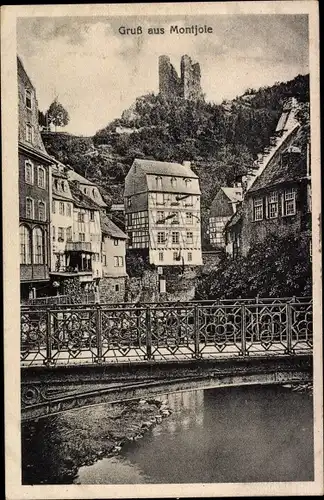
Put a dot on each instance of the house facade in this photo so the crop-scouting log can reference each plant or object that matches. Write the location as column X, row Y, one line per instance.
column 113, row 246
column 279, row 200
column 162, row 213
column 34, row 192
column 222, row 209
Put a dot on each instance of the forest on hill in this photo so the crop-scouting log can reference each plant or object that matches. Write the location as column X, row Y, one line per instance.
column 221, row 141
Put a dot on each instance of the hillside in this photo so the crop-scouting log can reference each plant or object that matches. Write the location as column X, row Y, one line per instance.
column 221, row 141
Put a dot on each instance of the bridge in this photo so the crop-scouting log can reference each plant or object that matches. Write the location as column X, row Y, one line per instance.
column 82, row 354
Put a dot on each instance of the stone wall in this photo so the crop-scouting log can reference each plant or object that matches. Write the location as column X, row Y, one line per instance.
column 112, row 289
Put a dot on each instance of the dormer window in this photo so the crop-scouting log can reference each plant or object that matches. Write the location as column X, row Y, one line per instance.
column 158, row 181
column 129, row 202
column 29, row 132
column 28, row 99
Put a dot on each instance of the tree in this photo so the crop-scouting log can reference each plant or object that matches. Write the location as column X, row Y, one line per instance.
column 57, row 114
column 276, row 267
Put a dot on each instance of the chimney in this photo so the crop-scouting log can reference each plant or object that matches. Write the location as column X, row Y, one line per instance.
column 187, row 164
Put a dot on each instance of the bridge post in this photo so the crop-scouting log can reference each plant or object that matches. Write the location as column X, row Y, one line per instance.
column 196, row 331
column 289, row 328
column 98, row 334
column 243, row 330
column 48, row 360
column 148, row 333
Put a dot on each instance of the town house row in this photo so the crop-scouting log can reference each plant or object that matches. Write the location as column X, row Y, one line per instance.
column 65, row 233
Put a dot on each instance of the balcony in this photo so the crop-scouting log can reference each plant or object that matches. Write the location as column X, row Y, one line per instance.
column 79, row 246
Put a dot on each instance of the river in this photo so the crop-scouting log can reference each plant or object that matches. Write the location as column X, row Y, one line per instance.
column 233, row 434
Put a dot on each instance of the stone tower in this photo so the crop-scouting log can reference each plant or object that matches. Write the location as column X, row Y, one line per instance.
column 187, row 85
column 169, row 82
column 190, row 79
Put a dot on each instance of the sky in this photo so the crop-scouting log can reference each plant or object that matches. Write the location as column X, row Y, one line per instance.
column 97, row 73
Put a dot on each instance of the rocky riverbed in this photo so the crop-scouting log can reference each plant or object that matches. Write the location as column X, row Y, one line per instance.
column 58, row 446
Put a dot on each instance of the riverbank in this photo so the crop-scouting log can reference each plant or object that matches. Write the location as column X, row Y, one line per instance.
column 78, row 444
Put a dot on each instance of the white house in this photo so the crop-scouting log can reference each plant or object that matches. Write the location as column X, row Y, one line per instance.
column 162, row 212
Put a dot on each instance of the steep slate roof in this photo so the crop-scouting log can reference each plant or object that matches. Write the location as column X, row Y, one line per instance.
column 80, row 199
column 278, row 172
column 74, row 176
column 164, row 168
column 109, row 228
column 233, row 193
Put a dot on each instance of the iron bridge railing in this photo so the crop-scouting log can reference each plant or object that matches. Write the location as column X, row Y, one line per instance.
column 103, row 333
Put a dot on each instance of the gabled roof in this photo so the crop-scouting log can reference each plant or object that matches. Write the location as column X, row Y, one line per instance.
column 74, row 176
column 233, row 193
column 80, row 199
column 277, row 171
column 164, row 168
column 109, row 228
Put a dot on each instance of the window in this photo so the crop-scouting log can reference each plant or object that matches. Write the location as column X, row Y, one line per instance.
column 289, row 202
column 129, row 202
column 116, row 288
column 29, row 208
column 104, row 260
column 116, row 242
column 41, row 178
column 28, row 99
column 160, row 216
column 258, row 209
column 91, row 215
column 69, row 233
column 53, row 206
column 129, row 219
column 173, row 182
column 273, row 205
column 189, row 200
column 29, row 132
column 42, row 211
column 80, row 217
column 189, row 256
column 160, row 237
column 60, row 234
column 25, row 253
column 68, row 209
column 81, row 236
column 175, row 218
column 158, row 181
column 61, row 208
column 38, row 246
column 161, row 256
column 118, row 261
column 176, row 256
column 175, row 237
column 189, row 237
column 160, row 199
column 189, row 218
column 53, row 233
column 29, row 172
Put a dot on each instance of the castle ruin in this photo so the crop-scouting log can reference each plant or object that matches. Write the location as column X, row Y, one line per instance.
column 187, row 85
